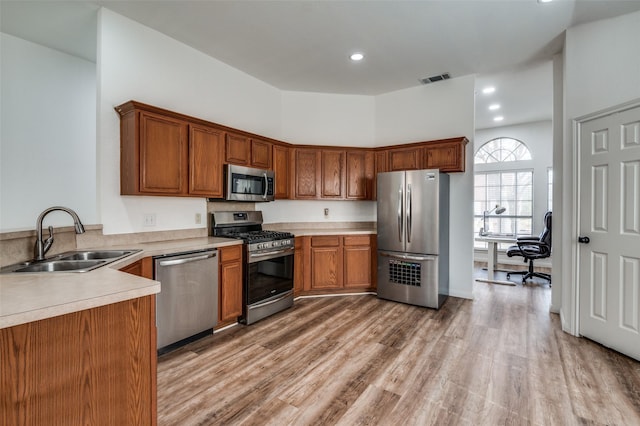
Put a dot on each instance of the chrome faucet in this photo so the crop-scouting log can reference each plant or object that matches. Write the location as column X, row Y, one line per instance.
column 41, row 246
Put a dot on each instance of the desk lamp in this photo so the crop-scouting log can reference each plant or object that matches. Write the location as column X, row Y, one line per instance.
column 498, row 209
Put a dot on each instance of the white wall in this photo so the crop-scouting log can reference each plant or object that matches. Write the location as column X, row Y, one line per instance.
column 47, row 149
column 281, row 211
column 327, row 119
column 601, row 70
column 136, row 62
column 437, row 111
column 538, row 137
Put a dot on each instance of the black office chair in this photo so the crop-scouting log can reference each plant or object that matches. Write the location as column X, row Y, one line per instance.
column 531, row 248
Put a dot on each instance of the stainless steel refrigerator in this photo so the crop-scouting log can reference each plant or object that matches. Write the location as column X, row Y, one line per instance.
column 413, row 237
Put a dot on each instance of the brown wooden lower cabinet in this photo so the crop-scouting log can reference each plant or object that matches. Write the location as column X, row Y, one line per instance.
column 96, row 366
column 229, row 285
column 337, row 263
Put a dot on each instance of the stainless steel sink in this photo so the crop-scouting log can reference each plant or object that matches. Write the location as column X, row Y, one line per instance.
column 98, row 254
column 62, row 266
column 72, row 261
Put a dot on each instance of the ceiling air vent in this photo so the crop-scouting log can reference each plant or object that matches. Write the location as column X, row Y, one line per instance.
column 435, row 78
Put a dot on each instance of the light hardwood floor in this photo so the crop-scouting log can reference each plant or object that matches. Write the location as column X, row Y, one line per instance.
column 499, row 359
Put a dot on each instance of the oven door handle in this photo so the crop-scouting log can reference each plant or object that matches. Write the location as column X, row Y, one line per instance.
column 253, row 257
column 271, row 302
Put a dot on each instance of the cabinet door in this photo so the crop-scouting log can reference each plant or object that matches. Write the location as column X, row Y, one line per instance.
column 163, row 154
column 260, row 154
column 206, row 146
column 359, row 175
column 332, row 180
column 357, row 261
column 237, row 149
column 447, row 157
column 326, row 262
column 307, row 173
column 404, row 159
column 281, row 170
column 230, row 284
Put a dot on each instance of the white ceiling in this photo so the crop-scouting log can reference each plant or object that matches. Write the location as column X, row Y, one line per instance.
column 304, row 45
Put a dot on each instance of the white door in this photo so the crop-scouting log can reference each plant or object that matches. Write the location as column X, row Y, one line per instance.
column 609, row 264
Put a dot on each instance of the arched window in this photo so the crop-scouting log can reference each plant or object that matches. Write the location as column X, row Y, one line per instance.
column 501, row 150
column 509, row 187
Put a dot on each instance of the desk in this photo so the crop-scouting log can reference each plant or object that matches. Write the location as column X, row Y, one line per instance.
column 492, row 256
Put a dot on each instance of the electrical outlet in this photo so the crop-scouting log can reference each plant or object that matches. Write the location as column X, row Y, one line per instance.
column 149, row 219
column 326, row 212
column 198, row 218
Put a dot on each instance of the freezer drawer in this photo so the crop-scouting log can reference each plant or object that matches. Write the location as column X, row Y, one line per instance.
column 411, row 279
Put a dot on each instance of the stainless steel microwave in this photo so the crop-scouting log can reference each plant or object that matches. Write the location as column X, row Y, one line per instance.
column 249, row 184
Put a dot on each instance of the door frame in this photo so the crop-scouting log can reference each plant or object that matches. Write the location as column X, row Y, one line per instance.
column 571, row 321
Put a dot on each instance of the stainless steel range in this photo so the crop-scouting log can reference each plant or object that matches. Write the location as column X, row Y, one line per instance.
column 268, row 262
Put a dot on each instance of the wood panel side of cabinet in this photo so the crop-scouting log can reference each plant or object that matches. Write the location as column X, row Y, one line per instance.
column 306, row 163
column 260, row 154
column 298, row 265
column 206, row 151
column 142, row 268
column 237, row 149
column 96, row 366
column 405, row 159
column 332, row 182
column 359, row 175
column 164, row 159
column 281, row 169
column 230, row 285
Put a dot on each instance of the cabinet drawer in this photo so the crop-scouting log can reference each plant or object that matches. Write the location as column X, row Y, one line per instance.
column 230, row 253
column 357, row 240
column 325, row 241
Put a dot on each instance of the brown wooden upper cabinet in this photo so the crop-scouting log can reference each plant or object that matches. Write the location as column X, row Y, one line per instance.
column 281, row 169
column 260, row 154
column 237, row 149
column 446, row 156
column 332, row 166
column 153, row 154
column 360, row 175
column 249, row 152
column 206, row 147
column 409, row 158
column 306, row 173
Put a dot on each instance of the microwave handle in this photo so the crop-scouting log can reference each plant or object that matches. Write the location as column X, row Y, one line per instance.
column 266, row 186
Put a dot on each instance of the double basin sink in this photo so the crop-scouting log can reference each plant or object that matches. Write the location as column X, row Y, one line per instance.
column 73, row 261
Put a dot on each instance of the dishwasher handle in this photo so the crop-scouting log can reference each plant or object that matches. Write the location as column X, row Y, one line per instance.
column 187, row 260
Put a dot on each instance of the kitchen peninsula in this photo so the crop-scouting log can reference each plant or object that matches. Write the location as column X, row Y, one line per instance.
column 80, row 348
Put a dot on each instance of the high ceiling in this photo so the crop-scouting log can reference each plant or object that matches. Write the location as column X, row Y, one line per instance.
column 305, row 45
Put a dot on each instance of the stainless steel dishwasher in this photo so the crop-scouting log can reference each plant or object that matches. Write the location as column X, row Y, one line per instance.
column 187, row 305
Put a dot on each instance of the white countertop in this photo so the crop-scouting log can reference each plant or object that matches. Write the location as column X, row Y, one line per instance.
column 31, row 297
column 304, row 232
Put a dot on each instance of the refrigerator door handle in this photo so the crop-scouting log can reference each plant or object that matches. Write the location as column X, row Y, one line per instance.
column 400, row 214
column 409, row 218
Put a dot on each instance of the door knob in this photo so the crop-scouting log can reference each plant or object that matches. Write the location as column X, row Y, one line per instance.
column 584, row 240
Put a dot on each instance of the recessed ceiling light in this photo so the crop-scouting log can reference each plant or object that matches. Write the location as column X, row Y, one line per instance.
column 357, row 56
column 544, row 1
column 498, row 118
column 494, row 107
column 488, row 90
